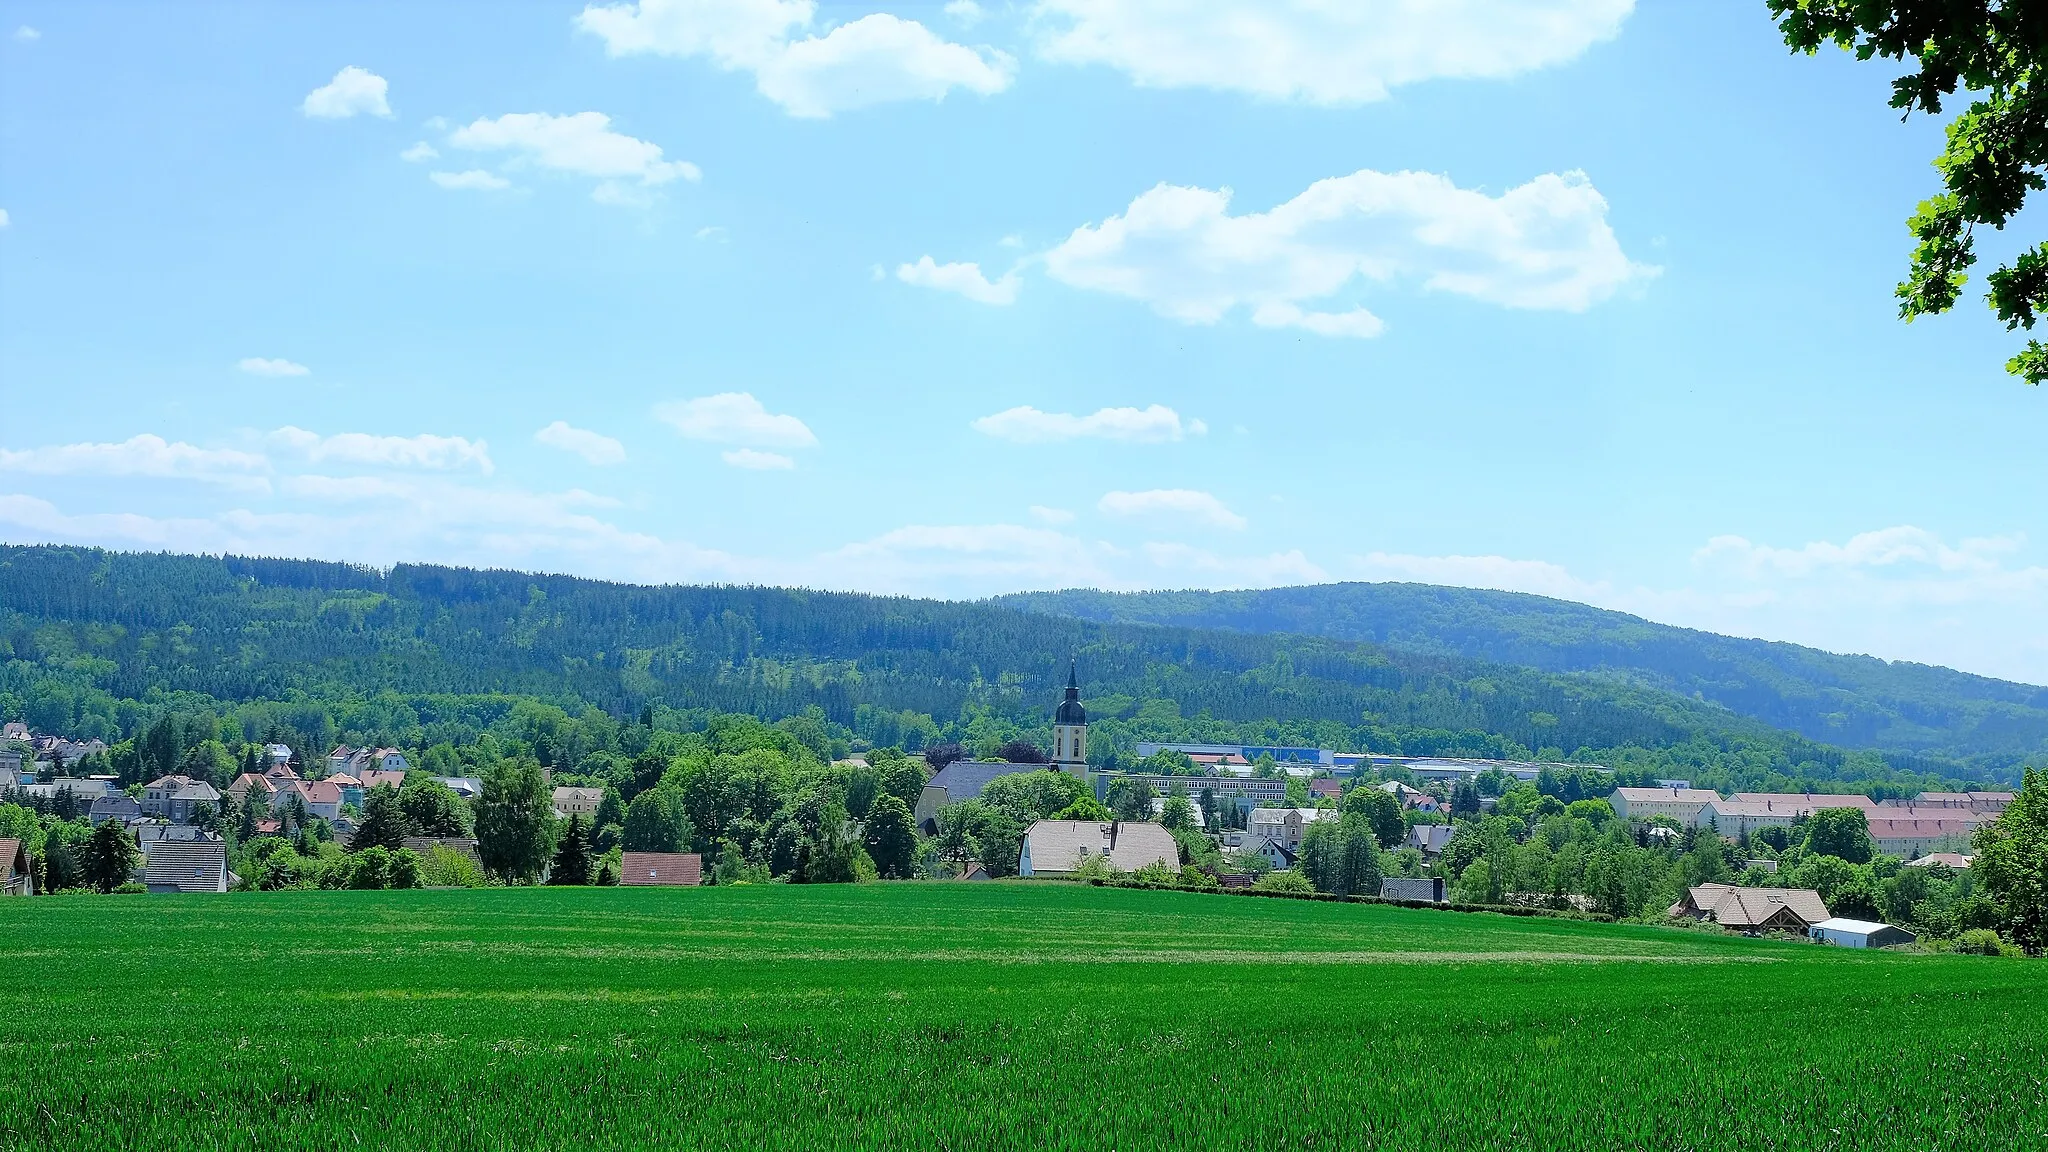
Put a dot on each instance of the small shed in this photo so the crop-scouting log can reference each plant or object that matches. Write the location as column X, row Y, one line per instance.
column 1429, row 888
column 1846, row 933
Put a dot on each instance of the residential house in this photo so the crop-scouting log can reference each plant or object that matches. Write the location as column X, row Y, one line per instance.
column 467, row 787
column 379, row 778
column 1954, row 860
column 1685, row 805
column 280, row 774
column 17, row 876
column 178, row 798
column 278, row 754
column 186, row 866
column 1430, row 839
column 960, row 780
column 321, row 798
column 1991, row 803
column 1159, row 809
column 1279, row 855
column 149, row 832
column 1058, row 847
column 351, row 788
column 1410, row 798
column 15, row 730
column 10, row 765
column 1753, row 909
column 573, row 801
column 114, row 806
column 249, row 782
column 1326, row 788
column 1286, row 825
column 661, row 870
column 1429, row 888
column 1846, row 933
column 338, row 758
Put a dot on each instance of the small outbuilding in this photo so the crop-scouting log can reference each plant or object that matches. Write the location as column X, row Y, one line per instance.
column 1428, row 888
column 661, row 870
column 1843, row 932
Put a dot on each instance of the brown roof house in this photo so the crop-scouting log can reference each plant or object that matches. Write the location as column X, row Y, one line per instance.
column 16, row 877
column 1753, row 909
column 1058, row 847
column 661, row 870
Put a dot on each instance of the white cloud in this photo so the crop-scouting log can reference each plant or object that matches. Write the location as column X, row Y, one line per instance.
column 475, row 179
column 419, row 152
column 1498, row 572
column 583, row 144
column 1052, row 516
column 757, row 461
column 1172, row 502
column 1234, row 570
column 965, row 11
column 1027, row 425
column 1901, row 547
column 735, row 418
column 26, row 34
column 144, row 455
column 258, row 366
column 594, row 447
column 3, row 218
column 1320, row 51
column 875, row 59
column 422, row 451
column 1545, row 244
column 948, row 558
column 353, row 90
column 965, row 279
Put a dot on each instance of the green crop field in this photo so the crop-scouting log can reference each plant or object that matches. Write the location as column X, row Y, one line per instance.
column 972, row 1016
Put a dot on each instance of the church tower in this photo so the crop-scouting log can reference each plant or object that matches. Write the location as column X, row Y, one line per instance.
column 1070, row 731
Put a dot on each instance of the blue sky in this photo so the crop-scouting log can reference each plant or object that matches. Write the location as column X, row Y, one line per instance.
column 1562, row 296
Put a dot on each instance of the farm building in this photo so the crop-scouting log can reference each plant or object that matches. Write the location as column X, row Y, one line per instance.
column 1057, row 847
column 1429, row 888
column 661, row 870
column 1753, row 909
column 1845, row 933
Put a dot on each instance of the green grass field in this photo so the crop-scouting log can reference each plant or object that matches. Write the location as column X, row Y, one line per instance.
column 973, row 1016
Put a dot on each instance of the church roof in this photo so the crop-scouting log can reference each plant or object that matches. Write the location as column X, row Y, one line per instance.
column 1070, row 710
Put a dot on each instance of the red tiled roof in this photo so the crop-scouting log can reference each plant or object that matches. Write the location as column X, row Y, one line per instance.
column 662, row 869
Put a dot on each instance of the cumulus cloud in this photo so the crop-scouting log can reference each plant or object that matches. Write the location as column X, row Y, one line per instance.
column 950, row 557
column 144, row 455
column 1027, row 425
column 1234, row 570
column 1052, row 516
column 875, row 59
column 1897, row 548
column 352, row 91
column 965, row 11
column 735, row 418
column 420, row 152
column 423, row 451
column 1498, row 572
column 583, row 145
column 259, row 366
column 1176, row 503
column 964, row 279
column 757, row 461
column 594, row 447
column 1317, row 51
column 1545, row 244
column 475, row 179
column 3, row 218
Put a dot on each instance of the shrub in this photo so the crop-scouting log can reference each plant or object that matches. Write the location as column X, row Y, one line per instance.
column 1283, row 882
column 1984, row 942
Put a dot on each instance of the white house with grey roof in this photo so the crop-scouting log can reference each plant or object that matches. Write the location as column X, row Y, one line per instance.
column 1058, row 847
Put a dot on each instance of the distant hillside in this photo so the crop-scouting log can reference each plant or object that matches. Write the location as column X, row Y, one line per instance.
column 94, row 642
column 1856, row 701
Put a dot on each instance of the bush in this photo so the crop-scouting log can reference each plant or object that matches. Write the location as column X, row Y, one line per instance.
column 1984, row 942
column 1283, row 882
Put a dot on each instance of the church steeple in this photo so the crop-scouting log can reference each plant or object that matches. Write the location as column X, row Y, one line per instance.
column 1070, row 728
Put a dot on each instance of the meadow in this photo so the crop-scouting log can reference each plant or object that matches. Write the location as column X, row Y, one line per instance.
column 979, row 1016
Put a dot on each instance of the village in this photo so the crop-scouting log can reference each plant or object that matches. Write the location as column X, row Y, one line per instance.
column 1227, row 817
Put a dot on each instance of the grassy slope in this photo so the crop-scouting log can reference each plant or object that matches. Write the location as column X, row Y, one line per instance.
column 978, row 1016
column 1854, row 701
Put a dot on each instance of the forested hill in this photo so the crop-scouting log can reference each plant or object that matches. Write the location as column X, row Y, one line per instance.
column 94, row 642
column 1857, row 701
